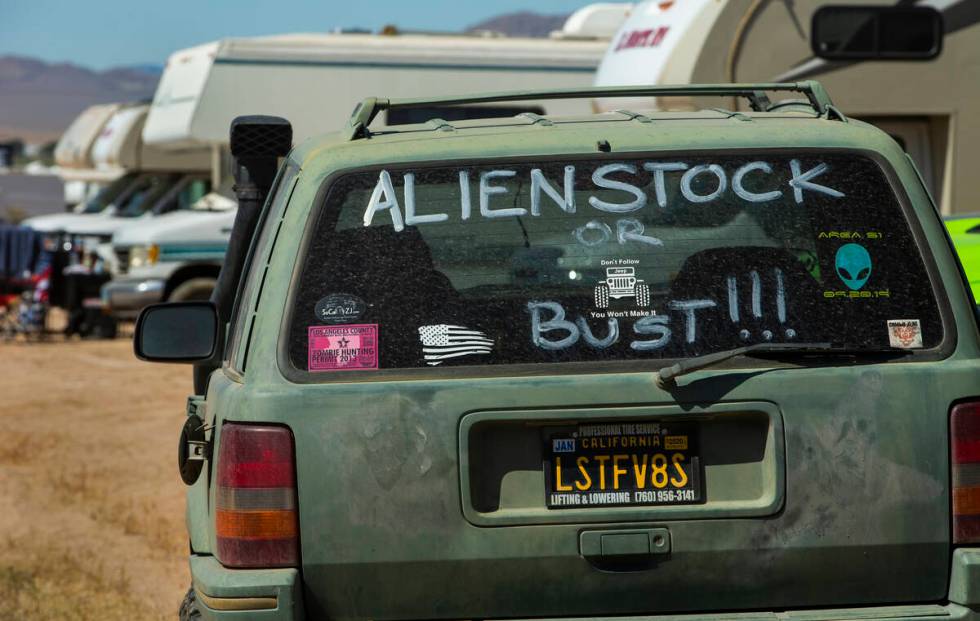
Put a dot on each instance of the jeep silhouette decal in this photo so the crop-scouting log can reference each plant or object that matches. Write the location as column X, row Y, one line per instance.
column 621, row 283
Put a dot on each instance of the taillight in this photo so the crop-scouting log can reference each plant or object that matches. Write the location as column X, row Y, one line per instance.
column 255, row 517
column 964, row 428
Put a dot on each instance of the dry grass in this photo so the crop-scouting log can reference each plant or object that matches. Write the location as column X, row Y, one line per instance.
column 159, row 526
column 18, row 447
column 91, row 507
column 49, row 582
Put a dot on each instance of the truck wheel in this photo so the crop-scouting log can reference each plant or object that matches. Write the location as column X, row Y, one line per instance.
column 188, row 608
column 643, row 295
column 193, row 289
column 602, row 296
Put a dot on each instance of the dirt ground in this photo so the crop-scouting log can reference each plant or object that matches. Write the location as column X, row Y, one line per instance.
column 91, row 505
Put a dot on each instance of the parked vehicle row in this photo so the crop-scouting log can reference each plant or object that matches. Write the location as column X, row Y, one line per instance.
column 704, row 352
column 203, row 88
column 156, row 228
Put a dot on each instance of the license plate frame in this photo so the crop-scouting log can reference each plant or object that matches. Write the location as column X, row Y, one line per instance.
column 628, row 464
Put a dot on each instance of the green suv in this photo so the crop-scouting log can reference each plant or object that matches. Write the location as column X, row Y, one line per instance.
column 965, row 234
column 420, row 399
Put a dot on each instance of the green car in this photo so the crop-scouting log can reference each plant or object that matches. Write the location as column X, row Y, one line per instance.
column 965, row 233
column 715, row 363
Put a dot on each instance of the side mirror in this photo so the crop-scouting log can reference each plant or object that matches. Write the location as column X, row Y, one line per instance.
column 852, row 33
column 176, row 332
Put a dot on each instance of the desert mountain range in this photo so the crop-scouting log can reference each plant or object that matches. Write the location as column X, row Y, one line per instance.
column 38, row 100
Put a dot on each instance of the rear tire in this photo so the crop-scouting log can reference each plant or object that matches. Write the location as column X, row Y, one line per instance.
column 602, row 296
column 188, row 608
column 193, row 290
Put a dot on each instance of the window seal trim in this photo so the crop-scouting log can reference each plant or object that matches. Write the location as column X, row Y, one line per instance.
column 944, row 350
column 233, row 359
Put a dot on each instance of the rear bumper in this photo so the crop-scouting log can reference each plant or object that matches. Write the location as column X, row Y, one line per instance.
column 950, row 612
column 125, row 298
column 232, row 594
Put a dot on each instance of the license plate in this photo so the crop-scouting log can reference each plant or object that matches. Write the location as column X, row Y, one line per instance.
column 622, row 464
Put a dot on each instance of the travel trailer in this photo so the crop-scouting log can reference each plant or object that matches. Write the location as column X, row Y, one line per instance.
column 73, row 154
column 127, row 169
column 140, row 182
column 929, row 107
column 315, row 80
column 120, row 147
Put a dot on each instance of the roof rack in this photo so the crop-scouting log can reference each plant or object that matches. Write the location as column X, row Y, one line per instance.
column 369, row 108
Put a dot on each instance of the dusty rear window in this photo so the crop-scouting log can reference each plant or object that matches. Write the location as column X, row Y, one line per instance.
column 592, row 261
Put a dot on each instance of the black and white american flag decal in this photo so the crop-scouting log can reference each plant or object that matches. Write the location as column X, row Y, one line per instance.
column 442, row 342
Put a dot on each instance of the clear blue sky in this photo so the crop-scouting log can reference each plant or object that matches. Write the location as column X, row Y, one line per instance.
column 107, row 33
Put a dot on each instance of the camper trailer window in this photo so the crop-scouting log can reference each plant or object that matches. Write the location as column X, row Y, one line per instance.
column 877, row 33
column 593, row 261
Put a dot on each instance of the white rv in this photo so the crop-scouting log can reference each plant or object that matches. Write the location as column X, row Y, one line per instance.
column 315, row 80
column 73, row 153
column 929, row 107
column 134, row 173
column 146, row 182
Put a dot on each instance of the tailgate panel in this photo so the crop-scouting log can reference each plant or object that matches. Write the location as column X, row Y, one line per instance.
column 835, row 496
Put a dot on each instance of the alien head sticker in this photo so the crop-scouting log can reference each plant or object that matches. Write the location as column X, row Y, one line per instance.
column 853, row 265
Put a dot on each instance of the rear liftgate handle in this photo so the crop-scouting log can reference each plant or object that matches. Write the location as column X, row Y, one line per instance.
column 625, row 550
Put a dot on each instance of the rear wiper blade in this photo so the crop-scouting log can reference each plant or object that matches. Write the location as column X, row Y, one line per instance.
column 666, row 377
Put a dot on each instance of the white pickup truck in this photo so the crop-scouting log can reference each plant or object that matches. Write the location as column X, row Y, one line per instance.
column 176, row 259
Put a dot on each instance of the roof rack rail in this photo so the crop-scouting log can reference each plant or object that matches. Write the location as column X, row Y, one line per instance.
column 369, row 108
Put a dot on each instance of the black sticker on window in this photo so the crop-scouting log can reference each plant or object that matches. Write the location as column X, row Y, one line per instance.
column 339, row 308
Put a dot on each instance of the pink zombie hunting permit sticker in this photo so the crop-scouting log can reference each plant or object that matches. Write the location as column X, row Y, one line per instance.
column 343, row 348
